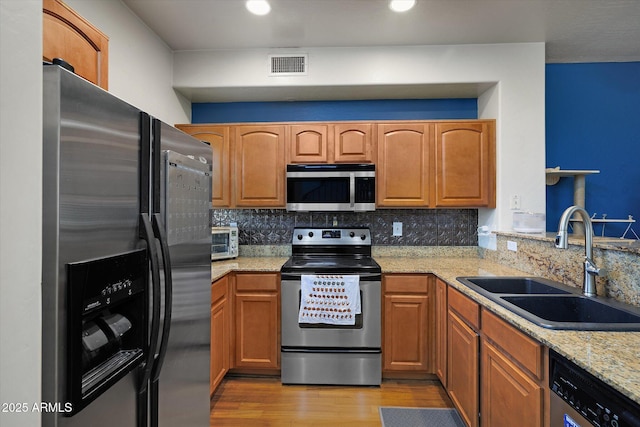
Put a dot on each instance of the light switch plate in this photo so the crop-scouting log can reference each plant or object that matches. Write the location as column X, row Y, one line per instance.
column 397, row 229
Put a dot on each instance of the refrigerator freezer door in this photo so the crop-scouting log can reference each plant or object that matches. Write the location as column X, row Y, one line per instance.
column 90, row 210
column 185, row 204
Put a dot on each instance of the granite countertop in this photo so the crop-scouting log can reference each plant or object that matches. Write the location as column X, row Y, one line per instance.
column 614, row 357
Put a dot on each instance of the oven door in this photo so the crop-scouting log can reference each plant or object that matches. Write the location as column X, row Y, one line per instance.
column 365, row 334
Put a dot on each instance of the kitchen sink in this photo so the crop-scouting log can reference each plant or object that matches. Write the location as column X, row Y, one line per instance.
column 514, row 285
column 553, row 305
column 565, row 310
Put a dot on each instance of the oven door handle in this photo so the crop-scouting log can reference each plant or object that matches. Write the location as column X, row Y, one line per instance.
column 316, row 350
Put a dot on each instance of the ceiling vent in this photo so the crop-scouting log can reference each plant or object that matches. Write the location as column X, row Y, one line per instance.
column 288, row 65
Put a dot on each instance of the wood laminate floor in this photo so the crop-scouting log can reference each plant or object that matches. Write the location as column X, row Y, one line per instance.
column 253, row 402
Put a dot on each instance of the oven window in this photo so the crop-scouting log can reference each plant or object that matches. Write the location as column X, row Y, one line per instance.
column 219, row 243
column 318, row 190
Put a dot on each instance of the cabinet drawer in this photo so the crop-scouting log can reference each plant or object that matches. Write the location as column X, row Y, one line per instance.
column 465, row 307
column 257, row 282
column 219, row 289
column 522, row 349
column 410, row 283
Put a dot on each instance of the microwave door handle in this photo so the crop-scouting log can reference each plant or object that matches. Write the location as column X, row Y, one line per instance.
column 352, row 189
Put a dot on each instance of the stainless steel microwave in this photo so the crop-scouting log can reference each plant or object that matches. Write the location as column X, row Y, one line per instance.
column 331, row 187
column 224, row 242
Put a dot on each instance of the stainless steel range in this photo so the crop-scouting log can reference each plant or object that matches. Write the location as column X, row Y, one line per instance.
column 331, row 309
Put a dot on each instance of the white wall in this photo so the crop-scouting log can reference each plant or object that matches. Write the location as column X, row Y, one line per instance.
column 140, row 72
column 140, row 64
column 20, row 207
column 515, row 98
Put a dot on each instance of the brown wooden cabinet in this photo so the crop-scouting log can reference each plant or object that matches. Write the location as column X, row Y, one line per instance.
column 330, row 143
column 494, row 372
column 408, row 326
column 218, row 137
column 308, row 143
column 220, row 332
column 462, row 356
column 259, row 175
column 257, row 321
column 69, row 36
column 465, row 164
column 513, row 376
column 404, row 162
column 353, row 142
column 440, row 360
column 419, row 164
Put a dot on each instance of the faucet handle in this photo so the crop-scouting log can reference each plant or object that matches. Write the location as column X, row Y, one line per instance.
column 602, row 272
column 591, row 268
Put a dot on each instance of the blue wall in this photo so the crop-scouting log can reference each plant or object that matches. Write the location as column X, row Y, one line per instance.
column 593, row 122
column 387, row 109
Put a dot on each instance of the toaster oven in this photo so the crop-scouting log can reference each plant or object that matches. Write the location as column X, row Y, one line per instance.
column 224, row 242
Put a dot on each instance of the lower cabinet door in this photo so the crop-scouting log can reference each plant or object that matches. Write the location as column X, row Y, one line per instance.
column 406, row 336
column 220, row 333
column 256, row 323
column 219, row 344
column 509, row 396
column 462, row 369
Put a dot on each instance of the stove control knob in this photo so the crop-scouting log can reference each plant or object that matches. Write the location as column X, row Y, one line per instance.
column 363, row 236
column 311, row 234
column 299, row 236
column 352, row 234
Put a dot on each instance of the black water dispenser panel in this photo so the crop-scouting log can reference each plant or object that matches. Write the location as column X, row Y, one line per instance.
column 106, row 323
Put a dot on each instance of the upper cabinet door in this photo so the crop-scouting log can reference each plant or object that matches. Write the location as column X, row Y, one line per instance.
column 353, row 142
column 404, row 162
column 218, row 138
column 308, row 144
column 465, row 164
column 259, row 165
column 68, row 36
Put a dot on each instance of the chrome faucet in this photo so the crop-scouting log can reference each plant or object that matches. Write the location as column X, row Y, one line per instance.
column 590, row 269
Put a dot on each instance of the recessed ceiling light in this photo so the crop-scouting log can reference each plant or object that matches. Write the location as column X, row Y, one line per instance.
column 401, row 5
column 258, row 7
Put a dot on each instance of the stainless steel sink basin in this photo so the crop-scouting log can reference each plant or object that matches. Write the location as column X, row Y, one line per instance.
column 514, row 285
column 553, row 305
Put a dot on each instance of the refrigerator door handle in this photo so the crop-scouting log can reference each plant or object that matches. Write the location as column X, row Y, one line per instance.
column 166, row 326
column 146, row 233
column 168, row 295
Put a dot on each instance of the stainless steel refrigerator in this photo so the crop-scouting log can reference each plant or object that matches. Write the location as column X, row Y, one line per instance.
column 126, row 272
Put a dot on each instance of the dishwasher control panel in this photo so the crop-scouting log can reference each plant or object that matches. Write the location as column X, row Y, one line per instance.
column 594, row 400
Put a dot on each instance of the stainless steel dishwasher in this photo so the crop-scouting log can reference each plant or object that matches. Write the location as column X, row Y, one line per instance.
column 578, row 399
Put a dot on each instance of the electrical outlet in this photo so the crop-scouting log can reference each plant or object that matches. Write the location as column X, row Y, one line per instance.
column 512, row 246
column 397, row 229
column 515, row 202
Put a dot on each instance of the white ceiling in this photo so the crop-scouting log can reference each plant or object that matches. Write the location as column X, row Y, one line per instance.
column 573, row 30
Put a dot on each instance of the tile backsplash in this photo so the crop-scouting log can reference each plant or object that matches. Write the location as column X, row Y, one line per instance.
column 420, row 227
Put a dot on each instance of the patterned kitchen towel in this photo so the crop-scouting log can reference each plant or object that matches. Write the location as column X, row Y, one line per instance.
column 330, row 299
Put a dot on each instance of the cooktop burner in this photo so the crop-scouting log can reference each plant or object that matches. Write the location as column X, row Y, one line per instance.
column 329, row 264
column 331, row 251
